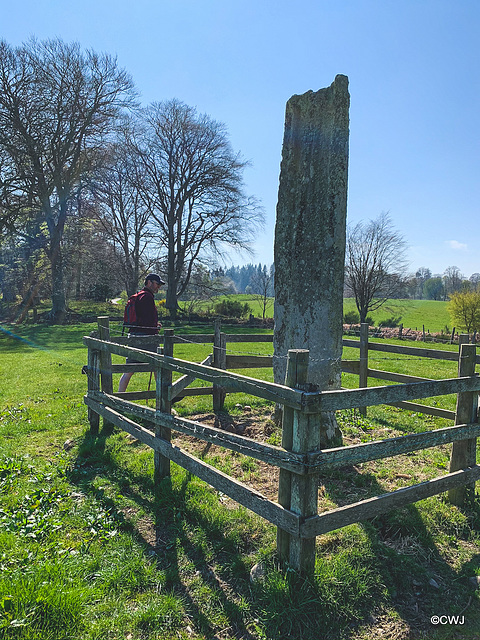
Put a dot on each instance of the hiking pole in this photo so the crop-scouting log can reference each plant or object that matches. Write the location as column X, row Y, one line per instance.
column 149, row 383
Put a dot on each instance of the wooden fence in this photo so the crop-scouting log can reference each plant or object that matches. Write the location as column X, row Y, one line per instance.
column 221, row 359
column 300, row 459
column 360, row 367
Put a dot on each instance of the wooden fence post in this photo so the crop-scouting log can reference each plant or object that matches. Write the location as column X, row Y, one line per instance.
column 363, row 367
column 105, row 361
column 295, row 374
column 304, row 488
column 163, row 404
column 298, row 493
column 219, row 362
column 93, row 384
column 464, row 451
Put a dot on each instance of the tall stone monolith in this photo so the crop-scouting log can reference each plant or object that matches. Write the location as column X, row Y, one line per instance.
column 310, row 236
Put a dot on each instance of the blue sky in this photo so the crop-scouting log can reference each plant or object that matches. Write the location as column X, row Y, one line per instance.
column 413, row 67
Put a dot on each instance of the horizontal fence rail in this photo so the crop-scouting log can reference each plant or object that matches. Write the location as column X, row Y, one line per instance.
column 378, row 449
column 266, row 452
column 199, row 338
column 232, row 381
column 370, row 396
column 242, row 494
column 406, row 351
column 372, row 507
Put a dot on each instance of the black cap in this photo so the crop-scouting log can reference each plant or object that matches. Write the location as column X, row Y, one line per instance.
column 154, row 277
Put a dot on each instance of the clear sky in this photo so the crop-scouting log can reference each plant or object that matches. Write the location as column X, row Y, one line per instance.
column 414, row 71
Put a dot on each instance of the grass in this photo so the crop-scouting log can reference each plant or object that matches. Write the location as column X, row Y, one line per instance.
column 89, row 549
column 413, row 313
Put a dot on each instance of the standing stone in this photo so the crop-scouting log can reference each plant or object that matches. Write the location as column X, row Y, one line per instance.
column 310, row 237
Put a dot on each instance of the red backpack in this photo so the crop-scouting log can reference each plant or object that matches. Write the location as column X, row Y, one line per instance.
column 130, row 313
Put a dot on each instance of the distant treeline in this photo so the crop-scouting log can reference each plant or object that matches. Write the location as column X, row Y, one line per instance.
column 256, row 278
column 249, row 278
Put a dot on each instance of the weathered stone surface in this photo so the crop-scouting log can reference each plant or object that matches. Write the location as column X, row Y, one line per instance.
column 310, row 232
column 258, row 573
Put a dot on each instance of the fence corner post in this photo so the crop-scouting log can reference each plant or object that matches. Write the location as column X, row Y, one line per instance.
column 298, row 493
column 464, row 451
column 304, row 488
column 164, row 404
column 105, row 361
column 219, row 362
column 285, row 476
column 93, row 384
column 363, row 366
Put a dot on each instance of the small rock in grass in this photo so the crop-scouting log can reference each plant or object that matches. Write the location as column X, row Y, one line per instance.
column 433, row 583
column 257, row 573
column 247, row 407
column 238, row 406
column 475, row 581
column 68, row 444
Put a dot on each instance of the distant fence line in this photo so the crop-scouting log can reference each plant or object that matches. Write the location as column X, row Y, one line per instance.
column 300, row 458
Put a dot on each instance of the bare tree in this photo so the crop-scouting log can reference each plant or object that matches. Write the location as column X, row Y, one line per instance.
column 262, row 287
column 92, row 266
column 193, row 189
column 57, row 106
column 452, row 280
column 123, row 214
column 375, row 263
column 204, row 286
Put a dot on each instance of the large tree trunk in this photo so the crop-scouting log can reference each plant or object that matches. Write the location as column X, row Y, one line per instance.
column 8, row 290
column 58, row 311
column 171, row 302
column 131, row 279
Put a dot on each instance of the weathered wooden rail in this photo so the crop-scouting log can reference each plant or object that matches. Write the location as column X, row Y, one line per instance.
column 300, row 459
column 360, row 367
column 223, row 360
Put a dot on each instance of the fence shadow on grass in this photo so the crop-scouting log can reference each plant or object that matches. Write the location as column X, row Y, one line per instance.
column 405, row 557
column 419, row 579
column 162, row 530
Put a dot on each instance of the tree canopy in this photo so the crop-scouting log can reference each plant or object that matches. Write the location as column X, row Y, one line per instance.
column 375, row 263
column 464, row 307
column 192, row 187
column 58, row 104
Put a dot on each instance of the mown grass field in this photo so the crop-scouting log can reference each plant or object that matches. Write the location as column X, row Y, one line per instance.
column 413, row 313
column 89, row 549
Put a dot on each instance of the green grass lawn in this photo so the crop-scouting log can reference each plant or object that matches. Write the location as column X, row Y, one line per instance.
column 414, row 314
column 90, row 549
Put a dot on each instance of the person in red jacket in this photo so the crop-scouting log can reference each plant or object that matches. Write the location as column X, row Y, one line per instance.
column 147, row 320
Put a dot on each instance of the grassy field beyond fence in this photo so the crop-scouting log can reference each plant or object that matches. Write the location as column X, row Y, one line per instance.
column 413, row 313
